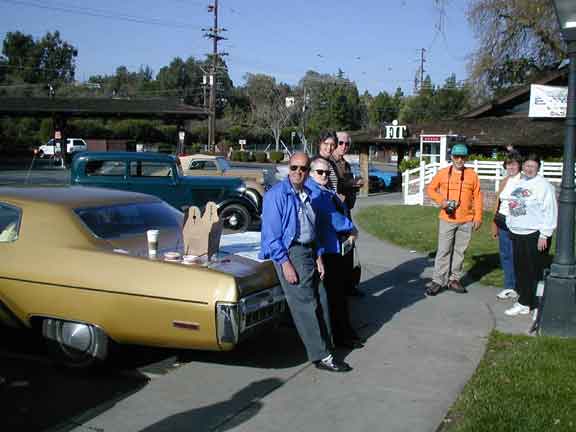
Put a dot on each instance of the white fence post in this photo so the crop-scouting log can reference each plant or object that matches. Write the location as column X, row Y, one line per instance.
column 497, row 181
column 476, row 166
column 406, row 184
column 421, row 185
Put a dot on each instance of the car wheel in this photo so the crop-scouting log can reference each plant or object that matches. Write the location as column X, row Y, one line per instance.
column 40, row 154
column 74, row 344
column 235, row 218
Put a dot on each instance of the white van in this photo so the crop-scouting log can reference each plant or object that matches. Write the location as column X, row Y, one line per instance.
column 73, row 145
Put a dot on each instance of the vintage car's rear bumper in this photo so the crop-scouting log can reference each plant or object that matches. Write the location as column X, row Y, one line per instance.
column 235, row 321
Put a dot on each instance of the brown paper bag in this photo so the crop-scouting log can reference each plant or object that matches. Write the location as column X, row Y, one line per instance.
column 202, row 232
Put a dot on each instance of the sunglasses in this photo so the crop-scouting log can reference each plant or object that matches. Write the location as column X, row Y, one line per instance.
column 343, row 142
column 322, row 172
column 300, row 168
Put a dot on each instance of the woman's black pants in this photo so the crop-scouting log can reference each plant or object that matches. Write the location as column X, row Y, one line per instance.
column 335, row 281
column 529, row 265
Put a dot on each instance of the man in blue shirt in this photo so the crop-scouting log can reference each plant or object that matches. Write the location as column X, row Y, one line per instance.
column 289, row 226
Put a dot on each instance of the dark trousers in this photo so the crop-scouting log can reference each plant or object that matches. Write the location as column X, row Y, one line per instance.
column 346, row 267
column 529, row 265
column 336, row 278
column 307, row 302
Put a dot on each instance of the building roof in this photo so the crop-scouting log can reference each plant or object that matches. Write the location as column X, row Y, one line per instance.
column 504, row 105
column 489, row 131
column 159, row 108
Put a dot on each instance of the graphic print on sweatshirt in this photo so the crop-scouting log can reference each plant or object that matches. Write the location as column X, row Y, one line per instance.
column 517, row 203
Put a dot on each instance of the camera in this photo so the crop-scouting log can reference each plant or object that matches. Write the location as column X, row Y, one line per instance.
column 451, row 207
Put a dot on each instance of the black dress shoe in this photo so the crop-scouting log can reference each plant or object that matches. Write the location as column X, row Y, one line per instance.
column 433, row 289
column 332, row 365
column 456, row 286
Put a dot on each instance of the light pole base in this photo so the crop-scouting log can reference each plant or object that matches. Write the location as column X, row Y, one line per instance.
column 558, row 317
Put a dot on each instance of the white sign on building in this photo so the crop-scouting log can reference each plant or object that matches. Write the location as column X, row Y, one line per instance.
column 548, row 101
column 394, row 131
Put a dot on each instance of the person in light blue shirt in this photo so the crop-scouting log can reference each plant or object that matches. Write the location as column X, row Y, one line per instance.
column 289, row 239
column 334, row 227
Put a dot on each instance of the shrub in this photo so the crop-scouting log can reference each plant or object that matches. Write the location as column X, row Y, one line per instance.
column 408, row 164
column 244, row 156
column 260, row 157
column 276, row 156
column 236, row 156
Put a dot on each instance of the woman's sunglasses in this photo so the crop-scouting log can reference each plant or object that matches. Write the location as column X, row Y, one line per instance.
column 300, row 168
column 322, row 172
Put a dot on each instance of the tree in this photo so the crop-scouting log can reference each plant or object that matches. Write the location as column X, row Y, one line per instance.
column 334, row 102
column 49, row 60
column 436, row 103
column 185, row 79
column 512, row 31
column 268, row 104
column 385, row 108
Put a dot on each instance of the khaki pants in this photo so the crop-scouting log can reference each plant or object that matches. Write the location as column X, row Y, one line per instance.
column 453, row 240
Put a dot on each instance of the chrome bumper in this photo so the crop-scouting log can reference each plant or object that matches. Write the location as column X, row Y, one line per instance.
column 235, row 320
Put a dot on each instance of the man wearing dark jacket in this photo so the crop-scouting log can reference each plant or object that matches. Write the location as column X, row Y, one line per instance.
column 347, row 189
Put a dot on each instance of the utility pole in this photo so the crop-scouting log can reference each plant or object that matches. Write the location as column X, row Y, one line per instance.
column 422, row 61
column 214, row 34
column 419, row 77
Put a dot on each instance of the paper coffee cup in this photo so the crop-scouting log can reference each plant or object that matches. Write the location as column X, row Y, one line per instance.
column 152, row 236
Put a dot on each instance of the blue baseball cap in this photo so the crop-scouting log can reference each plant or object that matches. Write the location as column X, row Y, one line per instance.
column 459, row 150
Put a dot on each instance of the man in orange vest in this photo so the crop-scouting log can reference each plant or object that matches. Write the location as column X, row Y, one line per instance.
column 456, row 189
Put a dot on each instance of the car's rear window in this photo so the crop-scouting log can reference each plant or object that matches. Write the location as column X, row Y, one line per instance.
column 150, row 169
column 129, row 219
column 105, row 168
column 9, row 223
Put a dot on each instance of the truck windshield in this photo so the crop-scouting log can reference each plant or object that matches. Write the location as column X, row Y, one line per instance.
column 121, row 220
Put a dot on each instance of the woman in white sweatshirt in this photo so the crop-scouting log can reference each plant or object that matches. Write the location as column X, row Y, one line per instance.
column 531, row 219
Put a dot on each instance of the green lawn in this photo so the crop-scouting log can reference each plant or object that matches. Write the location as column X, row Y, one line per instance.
column 522, row 384
column 416, row 228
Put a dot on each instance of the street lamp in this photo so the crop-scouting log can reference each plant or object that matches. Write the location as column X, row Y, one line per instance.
column 559, row 303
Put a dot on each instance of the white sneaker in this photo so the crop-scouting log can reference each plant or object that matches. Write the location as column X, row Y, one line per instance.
column 507, row 294
column 517, row 309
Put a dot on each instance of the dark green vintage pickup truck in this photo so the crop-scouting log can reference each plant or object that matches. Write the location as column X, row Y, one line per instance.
column 161, row 175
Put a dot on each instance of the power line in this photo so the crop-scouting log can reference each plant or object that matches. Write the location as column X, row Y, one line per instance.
column 100, row 13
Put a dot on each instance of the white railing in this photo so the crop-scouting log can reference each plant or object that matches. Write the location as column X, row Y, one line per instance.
column 415, row 180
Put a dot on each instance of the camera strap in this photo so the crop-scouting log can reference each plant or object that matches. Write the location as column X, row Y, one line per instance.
column 461, row 184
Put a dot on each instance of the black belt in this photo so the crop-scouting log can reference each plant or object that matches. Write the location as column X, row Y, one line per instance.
column 306, row 245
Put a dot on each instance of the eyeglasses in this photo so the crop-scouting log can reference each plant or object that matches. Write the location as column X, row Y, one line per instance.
column 300, row 168
column 322, row 172
column 343, row 142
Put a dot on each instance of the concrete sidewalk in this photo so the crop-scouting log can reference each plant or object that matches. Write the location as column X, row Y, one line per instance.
column 420, row 353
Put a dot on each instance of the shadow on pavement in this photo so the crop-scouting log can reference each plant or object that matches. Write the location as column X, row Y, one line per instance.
column 223, row 416
column 38, row 395
column 276, row 348
column 387, row 294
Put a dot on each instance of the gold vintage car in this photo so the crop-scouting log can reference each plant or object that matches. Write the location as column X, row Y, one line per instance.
column 74, row 266
column 257, row 180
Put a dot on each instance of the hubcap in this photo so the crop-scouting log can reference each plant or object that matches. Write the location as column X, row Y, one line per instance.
column 76, row 335
column 233, row 220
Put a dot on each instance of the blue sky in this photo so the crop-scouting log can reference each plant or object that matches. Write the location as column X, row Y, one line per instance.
column 375, row 42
